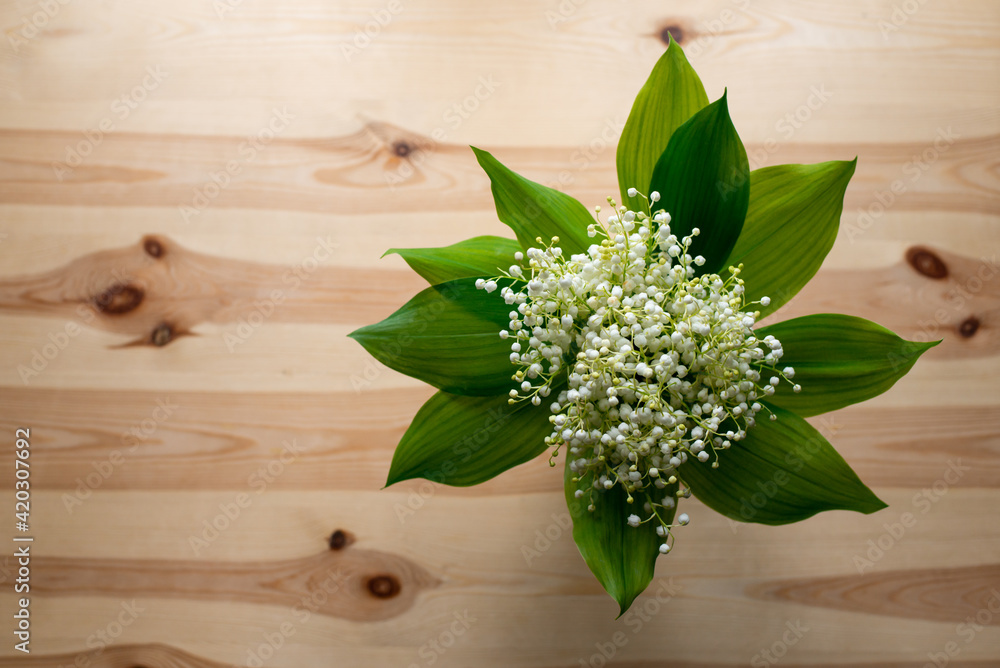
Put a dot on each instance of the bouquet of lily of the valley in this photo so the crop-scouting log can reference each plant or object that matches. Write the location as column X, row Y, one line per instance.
column 626, row 339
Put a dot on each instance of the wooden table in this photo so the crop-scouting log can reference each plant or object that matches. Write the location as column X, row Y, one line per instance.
column 194, row 197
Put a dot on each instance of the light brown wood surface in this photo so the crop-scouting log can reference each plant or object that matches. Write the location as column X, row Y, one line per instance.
column 200, row 366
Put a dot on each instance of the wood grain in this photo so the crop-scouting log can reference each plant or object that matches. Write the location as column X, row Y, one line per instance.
column 362, row 585
column 944, row 594
column 124, row 656
column 405, row 167
column 158, row 291
column 194, row 199
column 214, row 441
column 165, row 656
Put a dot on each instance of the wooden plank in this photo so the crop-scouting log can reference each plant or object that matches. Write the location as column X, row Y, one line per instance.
column 202, row 192
column 432, row 57
column 115, row 440
column 795, row 573
column 941, row 170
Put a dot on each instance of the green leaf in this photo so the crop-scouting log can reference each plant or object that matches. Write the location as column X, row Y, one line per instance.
column 621, row 557
column 472, row 258
column 782, row 472
column 791, row 225
column 464, row 441
column 838, row 360
column 533, row 210
column 448, row 336
column 703, row 178
column 671, row 95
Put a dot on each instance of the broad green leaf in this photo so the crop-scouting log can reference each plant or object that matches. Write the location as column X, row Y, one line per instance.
column 671, row 95
column 782, row 472
column 464, row 441
column 533, row 210
column 838, row 360
column 620, row 556
column 448, row 336
column 479, row 256
column 703, row 178
column 791, row 225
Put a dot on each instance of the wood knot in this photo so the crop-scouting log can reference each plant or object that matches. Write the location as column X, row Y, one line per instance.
column 402, row 148
column 672, row 30
column 340, row 539
column 383, row 586
column 118, row 299
column 926, row 262
column 162, row 335
column 969, row 326
column 153, row 247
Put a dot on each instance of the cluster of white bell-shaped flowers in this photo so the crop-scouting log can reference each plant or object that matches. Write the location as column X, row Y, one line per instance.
column 663, row 364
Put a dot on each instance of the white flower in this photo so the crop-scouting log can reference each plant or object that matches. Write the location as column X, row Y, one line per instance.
column 657, row 359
